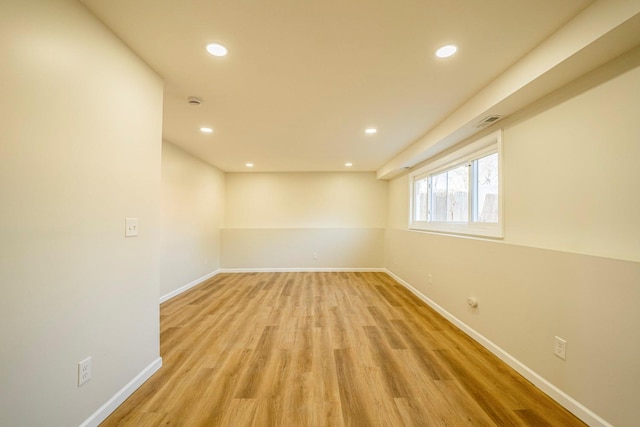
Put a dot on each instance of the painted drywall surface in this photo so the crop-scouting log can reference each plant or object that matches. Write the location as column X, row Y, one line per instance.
column 577, row 165
column 191, row 217
column 304, row 220
column 81, row 121
column 297, row 200
column 313, row 248
column 398, row 208
column 568, row 265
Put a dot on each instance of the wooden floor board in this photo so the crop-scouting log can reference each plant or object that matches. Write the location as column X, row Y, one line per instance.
column 324, row 349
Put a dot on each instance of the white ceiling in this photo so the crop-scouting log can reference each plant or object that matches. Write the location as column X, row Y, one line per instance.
column 303, row 79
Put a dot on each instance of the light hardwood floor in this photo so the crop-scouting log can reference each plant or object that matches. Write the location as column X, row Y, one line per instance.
column 324, row 349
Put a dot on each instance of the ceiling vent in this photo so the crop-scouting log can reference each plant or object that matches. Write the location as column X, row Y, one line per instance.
column 192, row 100
column 488, row 121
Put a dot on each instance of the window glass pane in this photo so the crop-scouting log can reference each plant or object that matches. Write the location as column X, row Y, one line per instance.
column 458, row 194
column 439, row 197
column 487, row 187
column 420, row 199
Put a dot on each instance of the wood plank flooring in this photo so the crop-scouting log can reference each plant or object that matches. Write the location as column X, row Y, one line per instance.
column 324, row 349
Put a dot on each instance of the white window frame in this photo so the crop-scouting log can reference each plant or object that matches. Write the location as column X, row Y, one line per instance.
column 482, row 147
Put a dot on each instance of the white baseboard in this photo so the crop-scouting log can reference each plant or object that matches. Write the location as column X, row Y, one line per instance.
column 572, row 405
column 112, row 404
column 188, row 286
column 302, row 270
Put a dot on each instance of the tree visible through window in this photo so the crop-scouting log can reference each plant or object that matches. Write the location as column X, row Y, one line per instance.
column 463, row 195
column 487, row 188
column 450, row 195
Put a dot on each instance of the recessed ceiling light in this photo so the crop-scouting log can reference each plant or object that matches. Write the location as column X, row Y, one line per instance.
column 371, row 131
column 216, row 49
column 348, row 164
column 206, row 130
column 249, row 165
column 446, row 51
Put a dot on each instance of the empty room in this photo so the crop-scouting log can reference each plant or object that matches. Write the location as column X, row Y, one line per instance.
column 319, row 213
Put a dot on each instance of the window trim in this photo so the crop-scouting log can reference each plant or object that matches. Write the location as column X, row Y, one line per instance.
column 482, row 147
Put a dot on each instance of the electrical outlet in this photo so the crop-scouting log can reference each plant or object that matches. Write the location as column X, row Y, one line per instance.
column 315, row 255
column 84, row 371
column 430, row 279
column 560, row 348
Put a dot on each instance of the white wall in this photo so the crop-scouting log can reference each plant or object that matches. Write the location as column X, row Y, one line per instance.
column 80, row 151
column 569, row 262
column 191, row 217
column 304, row 220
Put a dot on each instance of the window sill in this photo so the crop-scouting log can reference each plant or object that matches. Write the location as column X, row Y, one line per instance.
column 493, row 233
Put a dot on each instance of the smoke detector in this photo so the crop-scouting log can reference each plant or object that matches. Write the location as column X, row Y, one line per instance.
column 192, row 100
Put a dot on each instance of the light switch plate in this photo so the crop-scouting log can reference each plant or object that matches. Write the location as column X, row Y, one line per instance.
column 131, row 227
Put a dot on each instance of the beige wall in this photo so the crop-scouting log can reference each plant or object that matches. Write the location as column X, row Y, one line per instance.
column 569, row 262
column 191, row 216
column 577, row 164
column 303, row 248
column 81, row 121
column 298, row 199
column 304, row 220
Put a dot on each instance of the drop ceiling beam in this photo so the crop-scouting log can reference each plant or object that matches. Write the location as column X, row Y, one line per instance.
column 602, row 32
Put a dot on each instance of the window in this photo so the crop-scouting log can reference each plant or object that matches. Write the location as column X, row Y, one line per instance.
column 461, row 192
